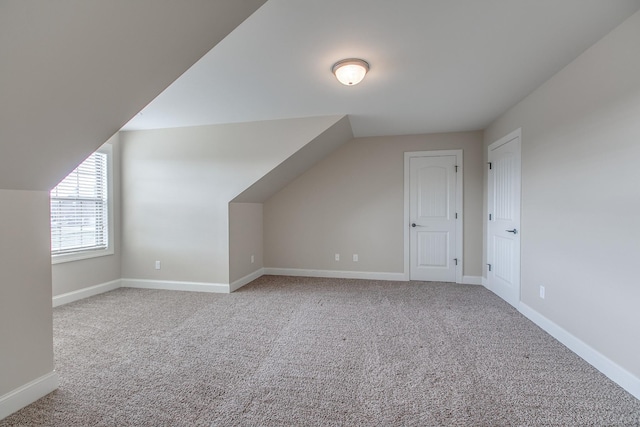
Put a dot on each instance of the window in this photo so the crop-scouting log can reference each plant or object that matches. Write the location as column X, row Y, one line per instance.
column 80, row 211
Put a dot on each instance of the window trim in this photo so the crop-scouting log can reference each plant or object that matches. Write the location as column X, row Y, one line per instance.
column 109, row 250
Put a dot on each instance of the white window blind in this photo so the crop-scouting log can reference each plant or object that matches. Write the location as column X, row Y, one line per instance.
column 79, row 209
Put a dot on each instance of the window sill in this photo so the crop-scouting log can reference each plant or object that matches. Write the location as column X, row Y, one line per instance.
column 78, row 256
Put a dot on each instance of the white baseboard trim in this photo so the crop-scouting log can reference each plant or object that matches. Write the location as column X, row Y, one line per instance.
column 28, row 393
column 246, row 280
column 62, row 299
column 169, row 285
column 472, row 280
column 336, row 274
column 615, row 372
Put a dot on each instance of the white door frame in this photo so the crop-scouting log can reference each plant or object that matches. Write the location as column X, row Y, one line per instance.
column 459, row 207
column 505, row 139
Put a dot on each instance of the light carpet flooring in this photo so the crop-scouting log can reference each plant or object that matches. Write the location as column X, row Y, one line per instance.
column 300, row 351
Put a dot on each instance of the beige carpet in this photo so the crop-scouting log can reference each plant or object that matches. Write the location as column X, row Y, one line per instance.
column 326, row 352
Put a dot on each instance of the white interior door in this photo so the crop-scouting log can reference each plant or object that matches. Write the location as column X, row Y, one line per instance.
column 432, row 218
column 503, row 230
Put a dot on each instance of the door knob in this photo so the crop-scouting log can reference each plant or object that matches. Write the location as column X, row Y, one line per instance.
column 514, row 231
column 413, row 224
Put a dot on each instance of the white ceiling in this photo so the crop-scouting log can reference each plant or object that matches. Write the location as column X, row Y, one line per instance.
column 72, row 72
column 436, row 65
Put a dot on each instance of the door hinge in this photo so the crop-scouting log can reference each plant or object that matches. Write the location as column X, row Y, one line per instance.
column 490, row 165
column 456, row 260
column 456, row 168
column 489, row 267
column 489, row 217
column 456, row 215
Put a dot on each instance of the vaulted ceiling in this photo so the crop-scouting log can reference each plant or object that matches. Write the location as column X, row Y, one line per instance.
column 436, row 65
column 72, row 72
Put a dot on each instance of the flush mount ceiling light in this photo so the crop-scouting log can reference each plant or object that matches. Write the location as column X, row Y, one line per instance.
column 350, row 71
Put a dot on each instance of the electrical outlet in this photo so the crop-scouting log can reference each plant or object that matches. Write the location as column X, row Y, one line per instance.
column 253, row 259
column 542, row 292
column 355, row 257
column 337, row 257
column 157, row 265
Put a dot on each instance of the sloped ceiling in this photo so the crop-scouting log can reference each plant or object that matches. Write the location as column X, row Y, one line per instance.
column 72, row 72
column 436, row 65
column 317, row 149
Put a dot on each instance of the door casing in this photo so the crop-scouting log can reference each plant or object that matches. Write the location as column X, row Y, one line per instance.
column 458, row 202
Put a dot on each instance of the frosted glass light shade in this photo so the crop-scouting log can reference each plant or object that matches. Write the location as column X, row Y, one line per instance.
column 350, row 72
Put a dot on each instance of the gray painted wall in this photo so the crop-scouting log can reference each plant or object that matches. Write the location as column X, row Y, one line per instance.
column 177, row 185
column 245, row 239
column 78, row 95
column 353, row 202
column 26, row 322
column 581, row 197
